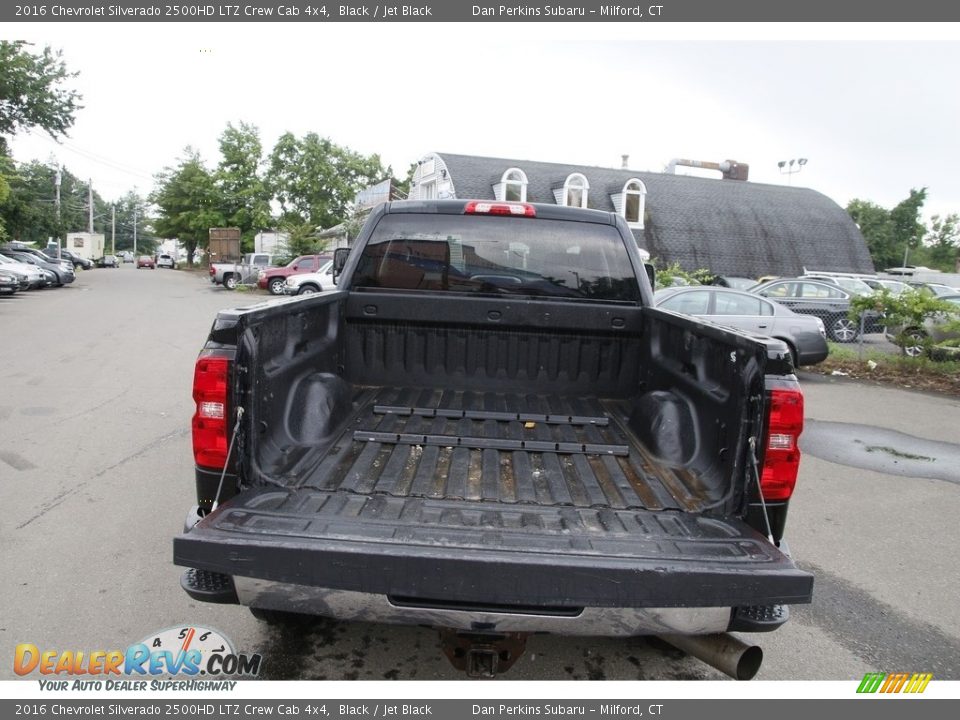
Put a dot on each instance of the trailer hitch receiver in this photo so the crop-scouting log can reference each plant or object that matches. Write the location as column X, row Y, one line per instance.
column 482, row 655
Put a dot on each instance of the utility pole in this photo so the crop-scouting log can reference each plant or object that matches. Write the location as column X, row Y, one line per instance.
column 90, row 205
column 56, row 202
column 134, row 228
column 113, row 230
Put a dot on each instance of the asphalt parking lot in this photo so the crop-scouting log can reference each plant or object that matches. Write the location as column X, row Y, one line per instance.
column 96, row 476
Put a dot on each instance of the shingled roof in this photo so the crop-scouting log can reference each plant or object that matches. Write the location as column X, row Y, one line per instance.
column 727, row 226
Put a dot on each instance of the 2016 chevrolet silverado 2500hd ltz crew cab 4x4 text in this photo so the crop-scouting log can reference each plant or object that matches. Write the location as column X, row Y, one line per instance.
column 489, row 428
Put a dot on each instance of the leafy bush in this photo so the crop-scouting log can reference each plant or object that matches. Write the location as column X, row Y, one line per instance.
column 668, row 276
column 903, row 313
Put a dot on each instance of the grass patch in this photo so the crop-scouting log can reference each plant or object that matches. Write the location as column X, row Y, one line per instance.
column 919, row 373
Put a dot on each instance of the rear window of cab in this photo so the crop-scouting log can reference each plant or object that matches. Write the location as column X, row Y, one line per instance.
column 498, row 255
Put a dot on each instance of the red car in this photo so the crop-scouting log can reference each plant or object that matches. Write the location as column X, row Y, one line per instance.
column 273, row 279
column 147, row 262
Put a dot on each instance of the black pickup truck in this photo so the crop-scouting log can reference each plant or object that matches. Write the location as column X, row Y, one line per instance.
column 489, row 429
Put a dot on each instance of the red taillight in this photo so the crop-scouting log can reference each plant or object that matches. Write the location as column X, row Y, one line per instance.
column 210, row 418
column 212, row 271
column 483, row 207
column 782, row 457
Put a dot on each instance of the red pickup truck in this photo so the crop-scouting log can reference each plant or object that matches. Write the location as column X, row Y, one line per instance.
column 274, row 279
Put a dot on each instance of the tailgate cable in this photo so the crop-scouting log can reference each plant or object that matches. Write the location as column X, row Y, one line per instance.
column 226, row 463
column 756, row 476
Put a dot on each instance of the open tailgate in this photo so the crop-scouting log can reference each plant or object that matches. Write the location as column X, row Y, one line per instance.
column 488, row 552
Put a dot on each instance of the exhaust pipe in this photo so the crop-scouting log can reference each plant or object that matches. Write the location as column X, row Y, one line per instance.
column 722, row 651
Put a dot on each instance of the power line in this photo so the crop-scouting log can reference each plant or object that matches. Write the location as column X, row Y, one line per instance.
column 94, row 157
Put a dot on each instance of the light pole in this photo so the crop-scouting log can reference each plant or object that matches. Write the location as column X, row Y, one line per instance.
column 789, row 167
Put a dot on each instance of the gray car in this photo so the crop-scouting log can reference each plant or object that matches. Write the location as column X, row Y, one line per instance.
column 936, row 330
column 804, row 334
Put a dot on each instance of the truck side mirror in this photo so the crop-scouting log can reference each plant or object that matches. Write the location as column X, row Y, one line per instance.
column 340, row 256
column 651, row 275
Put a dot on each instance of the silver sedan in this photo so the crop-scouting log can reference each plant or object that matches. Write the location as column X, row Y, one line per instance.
column 804, row 334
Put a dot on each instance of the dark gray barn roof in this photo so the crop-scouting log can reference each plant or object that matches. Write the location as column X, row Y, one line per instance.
column 727, row 226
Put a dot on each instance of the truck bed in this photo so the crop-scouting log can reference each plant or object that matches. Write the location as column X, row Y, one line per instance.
column 407, row 504
column 428, row 497
column 514, row 449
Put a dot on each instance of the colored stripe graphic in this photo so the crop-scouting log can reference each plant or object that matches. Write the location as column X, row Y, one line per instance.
column 918, row 683
column 894, row 682
column 871, row 682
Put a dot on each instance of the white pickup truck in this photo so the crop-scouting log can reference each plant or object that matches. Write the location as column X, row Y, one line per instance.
column 246, row 272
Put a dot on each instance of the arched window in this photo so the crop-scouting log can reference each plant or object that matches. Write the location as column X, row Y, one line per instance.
column 634, row 196
column 575, row 191
column 512, row 186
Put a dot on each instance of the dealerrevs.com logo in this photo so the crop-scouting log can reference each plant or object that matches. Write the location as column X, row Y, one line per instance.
column 185, row 652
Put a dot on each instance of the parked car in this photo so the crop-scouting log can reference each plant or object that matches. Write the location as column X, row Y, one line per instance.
column 274, row 279
column 934, row 331
column 38, row 255
column 804, row 334
column 62, row 273
column 938, row 289
column 245, row 272
column 813, row 297
column 9, row 283
column 310, row 283
column 145, row 261
column 32, row 276
column 894, row 287
column 126, row 256
column 109, row 261
column 166, row 261
column 76, row 260
column 855, row 286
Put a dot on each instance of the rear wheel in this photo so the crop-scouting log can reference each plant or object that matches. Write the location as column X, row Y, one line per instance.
column 844, row 330
column 230, row 282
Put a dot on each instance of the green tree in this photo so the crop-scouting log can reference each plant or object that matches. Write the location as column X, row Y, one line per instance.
column 908, row 231
column 303, row 239
column 877, row 230
column 30, row 213
column 131, row 210
column 402, row 187
column 943, row 242
column 188, row 203
column 315, row 180
column 888, row 233
column 239, row 179
column 6, row 169
column 32, row 92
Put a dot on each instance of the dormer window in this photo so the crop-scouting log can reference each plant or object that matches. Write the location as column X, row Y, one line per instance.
column 575, row 191
column 512, row 186
column 634, row 196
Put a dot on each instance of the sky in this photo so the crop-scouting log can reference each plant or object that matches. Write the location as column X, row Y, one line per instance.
column 873, row 109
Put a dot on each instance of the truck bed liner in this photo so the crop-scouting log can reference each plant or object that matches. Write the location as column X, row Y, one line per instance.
column 429, row 523
column 507, row 448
